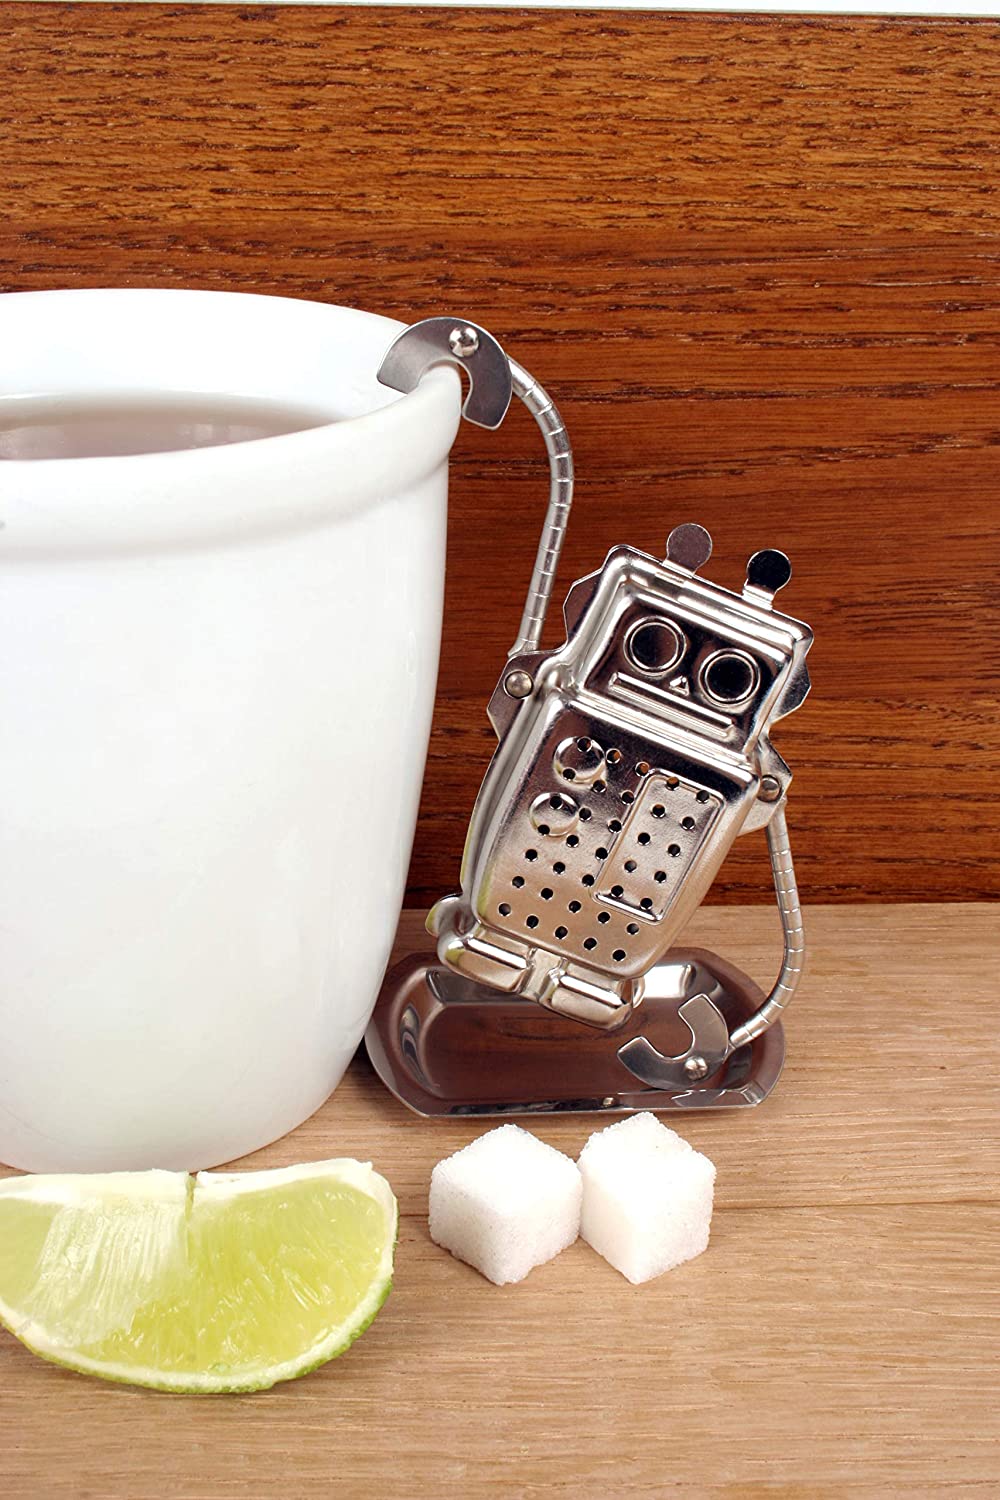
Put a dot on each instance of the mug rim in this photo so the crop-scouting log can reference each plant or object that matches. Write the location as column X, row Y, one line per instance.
column 155, row 500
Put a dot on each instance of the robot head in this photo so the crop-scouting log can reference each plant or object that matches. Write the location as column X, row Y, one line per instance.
column 688, row 653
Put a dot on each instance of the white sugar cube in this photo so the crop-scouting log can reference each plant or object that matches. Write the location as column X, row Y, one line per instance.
column 505, row 1204
column 647, row 1197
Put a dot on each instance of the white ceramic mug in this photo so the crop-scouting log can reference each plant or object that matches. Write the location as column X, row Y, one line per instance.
column 217, row 670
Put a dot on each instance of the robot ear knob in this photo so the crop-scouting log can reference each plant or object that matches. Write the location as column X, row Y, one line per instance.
column 767, row 572
column 688, row 546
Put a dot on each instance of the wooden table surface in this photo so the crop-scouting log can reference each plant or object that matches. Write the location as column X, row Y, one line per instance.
column 838, row 1337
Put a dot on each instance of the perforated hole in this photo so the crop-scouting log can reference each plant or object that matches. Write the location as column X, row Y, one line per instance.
column 617, row 891
column 555, row 801
column 590, row 944
column 672, row 783
column 585, row 814
column 574, row 906
column 583, row 744
column 561, row 932
column 572, row 841
column 531, row 921
column 569, row 774
column 618, row 955
column 601, row 853
column 687, row 823
column 658, row 810
column 643, row 838
column 517, row 882
column 530, row 854
column 642, row 768
column 600, row 786
column 614, row 825
column 630, row 865
column 503, row 909
column 673, row 850
column 633, row 928
column 701, row 797
column 558, row 867
column 646, row 903
column 587, row 880
column 613, row 757
column 546, row 893
column 628, row 797
column 660, row 876
column 604, row 917
column 543, row 829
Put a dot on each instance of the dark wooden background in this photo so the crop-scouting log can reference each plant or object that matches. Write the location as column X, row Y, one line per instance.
column 756, row 260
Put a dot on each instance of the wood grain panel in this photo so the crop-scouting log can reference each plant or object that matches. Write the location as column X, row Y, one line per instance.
column 756, row 260
column 836, row 1339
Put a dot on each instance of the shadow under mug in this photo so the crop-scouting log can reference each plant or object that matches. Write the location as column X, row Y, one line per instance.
column 217, row 674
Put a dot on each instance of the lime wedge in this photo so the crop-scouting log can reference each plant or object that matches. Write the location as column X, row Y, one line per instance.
column 220, row 1282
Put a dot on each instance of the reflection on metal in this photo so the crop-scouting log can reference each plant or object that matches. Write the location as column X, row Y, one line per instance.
column 447, row 1046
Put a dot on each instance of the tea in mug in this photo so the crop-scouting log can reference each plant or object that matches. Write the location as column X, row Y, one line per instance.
column 113, row 425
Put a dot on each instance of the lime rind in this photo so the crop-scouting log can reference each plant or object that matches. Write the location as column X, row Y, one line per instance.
column 212, row 1383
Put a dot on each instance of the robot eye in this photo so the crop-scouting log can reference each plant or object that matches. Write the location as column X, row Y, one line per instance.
column 654, row 645
column 729, row 676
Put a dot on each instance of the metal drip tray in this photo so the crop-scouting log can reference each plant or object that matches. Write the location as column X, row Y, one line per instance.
column 446, row 1045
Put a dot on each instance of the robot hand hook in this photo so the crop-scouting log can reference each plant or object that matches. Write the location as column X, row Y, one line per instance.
column 493, row 377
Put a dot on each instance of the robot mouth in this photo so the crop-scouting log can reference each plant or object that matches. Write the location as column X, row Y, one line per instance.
column 671, row 698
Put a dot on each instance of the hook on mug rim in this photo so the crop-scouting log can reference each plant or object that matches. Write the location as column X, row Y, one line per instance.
column 466, row 346
column 493, row 379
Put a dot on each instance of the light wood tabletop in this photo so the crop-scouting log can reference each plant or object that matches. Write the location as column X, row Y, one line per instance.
column 838, row 1336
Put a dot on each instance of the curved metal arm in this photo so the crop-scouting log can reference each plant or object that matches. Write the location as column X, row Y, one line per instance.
column 557, row 445
column 709, row 1046
column 493, row 377
column 793, row 932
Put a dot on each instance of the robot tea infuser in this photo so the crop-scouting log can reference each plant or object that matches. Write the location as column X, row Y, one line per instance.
column 629, row 759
